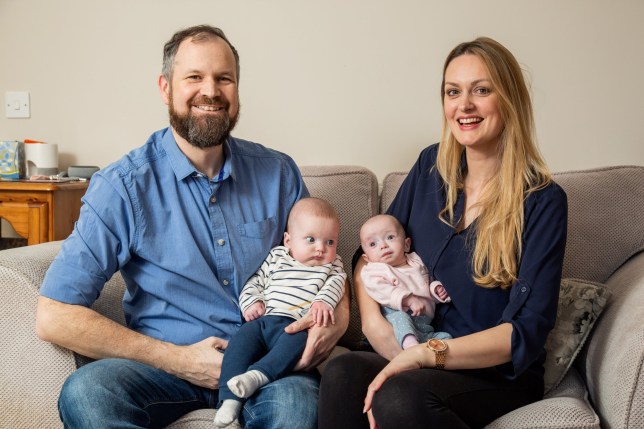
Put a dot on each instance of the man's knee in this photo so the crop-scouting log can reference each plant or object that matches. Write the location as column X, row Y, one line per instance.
column 266, row 408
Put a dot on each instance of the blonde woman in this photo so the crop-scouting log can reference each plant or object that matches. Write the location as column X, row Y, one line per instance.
column 486, row 218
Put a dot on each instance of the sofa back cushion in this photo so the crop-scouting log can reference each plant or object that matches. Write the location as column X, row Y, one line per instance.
column 353, row 191
column 605, row 227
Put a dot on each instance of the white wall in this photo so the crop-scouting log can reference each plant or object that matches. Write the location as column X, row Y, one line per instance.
column 329, row 82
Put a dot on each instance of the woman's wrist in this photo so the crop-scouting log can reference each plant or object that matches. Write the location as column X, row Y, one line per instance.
column 438, row 351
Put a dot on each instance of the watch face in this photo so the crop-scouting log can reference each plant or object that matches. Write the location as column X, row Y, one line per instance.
column 438, row 345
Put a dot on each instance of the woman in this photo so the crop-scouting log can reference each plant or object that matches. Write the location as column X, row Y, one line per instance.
column 490, row 224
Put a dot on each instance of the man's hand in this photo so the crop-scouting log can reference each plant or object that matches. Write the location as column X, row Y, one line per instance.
column 321, row 340
column 200, row 363
column 255, row 311
column 322, row 313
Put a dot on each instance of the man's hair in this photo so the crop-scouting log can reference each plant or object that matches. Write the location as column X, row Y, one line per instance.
column 197, row 33
column 313, row 207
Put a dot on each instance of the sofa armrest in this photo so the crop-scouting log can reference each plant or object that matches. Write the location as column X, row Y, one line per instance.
column 32, row 371
column 613, row 359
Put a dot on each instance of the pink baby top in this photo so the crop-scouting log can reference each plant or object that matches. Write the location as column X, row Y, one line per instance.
column 390, row 285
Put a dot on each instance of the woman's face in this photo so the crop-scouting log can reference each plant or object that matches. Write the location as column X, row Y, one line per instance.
column 471, row 105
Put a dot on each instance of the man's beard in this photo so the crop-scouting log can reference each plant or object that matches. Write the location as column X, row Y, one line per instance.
column 203, row 131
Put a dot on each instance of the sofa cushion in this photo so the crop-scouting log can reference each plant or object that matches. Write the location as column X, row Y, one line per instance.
column 353, row 191
column 567, row 406
column 580, row 304
column 598, row 200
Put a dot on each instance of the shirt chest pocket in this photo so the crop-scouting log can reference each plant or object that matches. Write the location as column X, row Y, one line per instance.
column 257, row 239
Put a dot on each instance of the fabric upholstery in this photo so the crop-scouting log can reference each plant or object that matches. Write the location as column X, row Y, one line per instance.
column 353, row 192
column 31, row 371
column 610, row 366
column 596, row 199
column 614, row 360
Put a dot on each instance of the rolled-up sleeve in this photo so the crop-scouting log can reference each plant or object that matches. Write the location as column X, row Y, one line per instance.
column 97, row 247
column 532, row 307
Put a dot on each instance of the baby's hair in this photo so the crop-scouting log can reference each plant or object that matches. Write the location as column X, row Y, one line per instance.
column 312, row 206
column 395, row 221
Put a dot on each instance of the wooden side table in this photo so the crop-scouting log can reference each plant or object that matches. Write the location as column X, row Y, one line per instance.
column 41, row 211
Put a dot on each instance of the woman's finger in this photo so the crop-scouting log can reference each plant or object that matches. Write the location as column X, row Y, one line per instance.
column 372, row 420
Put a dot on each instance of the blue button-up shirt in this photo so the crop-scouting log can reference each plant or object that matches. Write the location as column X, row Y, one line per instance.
column 184, row 244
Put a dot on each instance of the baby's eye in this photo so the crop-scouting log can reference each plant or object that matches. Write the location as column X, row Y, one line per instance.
column 310, row 239
column 372, row 244
column 391, row 237
column 330, row 242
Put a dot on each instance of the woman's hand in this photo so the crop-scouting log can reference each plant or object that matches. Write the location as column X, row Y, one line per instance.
column 412, row 358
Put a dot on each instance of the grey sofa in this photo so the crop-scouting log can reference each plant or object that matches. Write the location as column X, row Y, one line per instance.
column 605, row 388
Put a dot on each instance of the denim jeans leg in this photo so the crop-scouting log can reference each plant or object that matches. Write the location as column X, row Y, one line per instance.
column 290, row 402
column 119, row 393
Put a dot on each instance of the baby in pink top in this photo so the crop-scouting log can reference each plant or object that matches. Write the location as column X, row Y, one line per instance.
column 399, row 281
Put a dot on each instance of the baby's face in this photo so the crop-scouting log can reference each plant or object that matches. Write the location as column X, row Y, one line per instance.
column 312, row 240
column 383, row 241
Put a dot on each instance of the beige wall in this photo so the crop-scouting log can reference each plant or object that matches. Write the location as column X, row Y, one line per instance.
column 329, row 82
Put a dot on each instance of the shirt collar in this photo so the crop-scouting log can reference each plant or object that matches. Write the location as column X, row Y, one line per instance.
column 182, row 166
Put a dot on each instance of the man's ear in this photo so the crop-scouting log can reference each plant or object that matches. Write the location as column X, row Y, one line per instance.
column 407, row 244
column 287, row 240
column 164, row 89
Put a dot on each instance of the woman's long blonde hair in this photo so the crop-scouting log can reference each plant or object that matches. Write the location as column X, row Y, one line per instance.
column 499, row 226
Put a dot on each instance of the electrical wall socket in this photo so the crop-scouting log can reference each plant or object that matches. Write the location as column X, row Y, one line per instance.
column 17, row 104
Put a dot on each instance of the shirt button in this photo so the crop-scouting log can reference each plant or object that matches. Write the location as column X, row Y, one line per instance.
column 221, row 241
column 213, row 199
column 523, row 289
column 225, row 282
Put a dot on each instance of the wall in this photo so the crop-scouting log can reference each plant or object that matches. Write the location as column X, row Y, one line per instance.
column 329, row 82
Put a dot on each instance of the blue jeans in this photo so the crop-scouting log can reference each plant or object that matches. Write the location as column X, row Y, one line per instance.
column 118, row 393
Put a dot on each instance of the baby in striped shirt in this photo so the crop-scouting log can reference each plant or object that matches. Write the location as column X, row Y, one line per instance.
column 304, row 275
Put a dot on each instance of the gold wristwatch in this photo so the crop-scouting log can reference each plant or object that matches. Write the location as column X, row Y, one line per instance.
column 439, row 347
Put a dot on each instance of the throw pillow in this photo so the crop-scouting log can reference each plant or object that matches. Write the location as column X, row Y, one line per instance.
column 580, row 304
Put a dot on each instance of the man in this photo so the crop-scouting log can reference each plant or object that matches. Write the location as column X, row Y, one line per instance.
column 187, row 219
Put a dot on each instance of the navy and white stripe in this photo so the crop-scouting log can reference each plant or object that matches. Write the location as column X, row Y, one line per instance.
column 288, row 287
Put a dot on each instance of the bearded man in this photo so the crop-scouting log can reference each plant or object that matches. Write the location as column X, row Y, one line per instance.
column 187, row 219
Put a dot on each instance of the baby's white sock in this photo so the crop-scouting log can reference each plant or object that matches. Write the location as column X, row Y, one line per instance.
column 227, row 413
column 409, row 340
column 244, row 385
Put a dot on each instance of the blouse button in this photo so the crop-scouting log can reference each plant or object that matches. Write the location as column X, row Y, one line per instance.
column 213, row 199
column 523, row 289
column 225, row 282
column 221, row 242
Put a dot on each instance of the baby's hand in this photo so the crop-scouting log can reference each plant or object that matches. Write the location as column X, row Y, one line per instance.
column 255, row 311
column 441, row 292
column 322, row 313
column 415, row 304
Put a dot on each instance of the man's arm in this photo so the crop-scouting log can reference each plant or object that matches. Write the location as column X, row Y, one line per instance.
column 321, row 340
column 91, row 334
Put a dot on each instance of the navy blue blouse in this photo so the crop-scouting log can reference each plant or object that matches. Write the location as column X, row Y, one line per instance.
column 530, row 305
